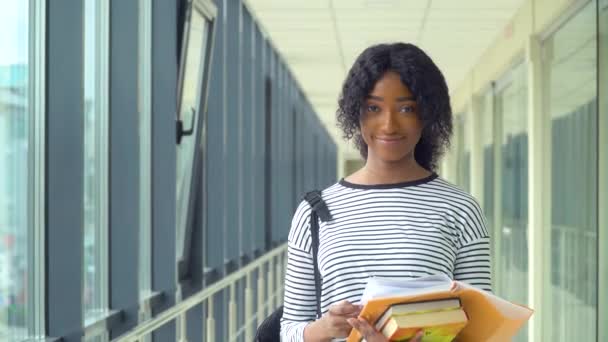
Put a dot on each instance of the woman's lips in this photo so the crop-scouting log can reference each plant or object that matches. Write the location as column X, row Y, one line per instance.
column 389, row 140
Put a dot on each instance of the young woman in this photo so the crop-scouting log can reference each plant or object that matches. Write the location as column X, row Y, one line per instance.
column 395, row 217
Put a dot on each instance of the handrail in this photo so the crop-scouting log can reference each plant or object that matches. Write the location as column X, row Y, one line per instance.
column 180, row 308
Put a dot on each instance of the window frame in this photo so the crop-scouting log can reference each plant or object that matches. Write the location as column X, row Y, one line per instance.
column 36, row 321
column 102, row 141
column 185, row 215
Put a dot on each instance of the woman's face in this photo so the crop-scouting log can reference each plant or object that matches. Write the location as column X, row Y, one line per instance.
column 390, row 125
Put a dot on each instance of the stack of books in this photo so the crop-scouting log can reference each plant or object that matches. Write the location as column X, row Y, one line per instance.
column 443, row 309
column 440, row 320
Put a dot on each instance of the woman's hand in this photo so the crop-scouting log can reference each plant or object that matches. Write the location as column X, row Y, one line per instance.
column 371, row 334
column 335, row 323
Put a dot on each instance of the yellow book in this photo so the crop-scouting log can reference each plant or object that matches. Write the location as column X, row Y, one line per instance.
column 440, row 326
column 400, row 309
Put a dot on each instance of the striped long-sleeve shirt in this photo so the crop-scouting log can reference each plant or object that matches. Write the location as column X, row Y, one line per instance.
column 407, row 230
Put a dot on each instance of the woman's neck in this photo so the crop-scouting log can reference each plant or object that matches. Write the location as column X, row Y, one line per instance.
column 380, row 172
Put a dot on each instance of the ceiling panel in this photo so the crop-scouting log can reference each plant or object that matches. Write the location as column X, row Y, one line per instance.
column 320, row 39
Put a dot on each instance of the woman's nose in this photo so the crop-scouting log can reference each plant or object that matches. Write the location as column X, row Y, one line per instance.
column 389, row 123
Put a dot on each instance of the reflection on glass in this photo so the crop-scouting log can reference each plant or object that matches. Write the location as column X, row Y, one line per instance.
column 145, row 146
column 512, row 252
column 572, row 98
column 95, row 164
column 603, row 153
column 189, row 108
column 14, row 185
column 487, row 140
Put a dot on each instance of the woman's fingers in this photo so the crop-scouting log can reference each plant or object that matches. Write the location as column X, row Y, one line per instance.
column 345, row 308
column 372, row 335
column 367, row 331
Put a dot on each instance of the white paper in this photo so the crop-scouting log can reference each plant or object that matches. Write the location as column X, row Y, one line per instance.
column 380, row 287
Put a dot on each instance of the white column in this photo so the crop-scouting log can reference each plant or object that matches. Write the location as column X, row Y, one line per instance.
column 261, row 289
column 448, row 165
column 232, row 313
column 539, row 190
column 210, row 320
column 248, row 308
column 476, row 143
column 271, row 281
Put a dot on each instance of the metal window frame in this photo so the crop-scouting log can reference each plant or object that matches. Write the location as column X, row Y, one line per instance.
column 37, row 169
column 101, row 50
column 209, row 12
column 145, row 152
column 544, row 263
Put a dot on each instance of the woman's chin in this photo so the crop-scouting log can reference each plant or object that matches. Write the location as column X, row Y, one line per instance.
column 391, row 158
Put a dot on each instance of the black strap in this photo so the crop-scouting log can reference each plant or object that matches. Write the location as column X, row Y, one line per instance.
column 318, row 205
column 319, row 210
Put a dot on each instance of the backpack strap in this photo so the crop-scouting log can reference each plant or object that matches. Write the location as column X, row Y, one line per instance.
column 319, row 210
column 318, row 205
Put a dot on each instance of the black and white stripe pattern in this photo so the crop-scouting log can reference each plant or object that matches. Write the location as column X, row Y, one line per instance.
column 404, row 230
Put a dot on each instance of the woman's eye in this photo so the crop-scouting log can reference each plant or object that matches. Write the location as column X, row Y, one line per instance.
column 407, row 109
column 372, row 108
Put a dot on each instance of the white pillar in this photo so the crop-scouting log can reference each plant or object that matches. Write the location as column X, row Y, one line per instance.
column 261, row 289
column 248, row 308
column 476, row 144
column 271, row 281
column 539, row 188
column 210, row 320
column 232, row 313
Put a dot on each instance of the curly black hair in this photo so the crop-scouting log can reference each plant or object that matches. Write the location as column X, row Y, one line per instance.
column 424, row 79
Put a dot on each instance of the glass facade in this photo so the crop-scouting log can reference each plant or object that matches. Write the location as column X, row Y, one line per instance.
column 511, row 240
column 189, row 113
column 603, row 169
column 145, row 147
column 574, row 84
column 95, row 160
column 489, row 146
column 571, row 85
column 15, row 187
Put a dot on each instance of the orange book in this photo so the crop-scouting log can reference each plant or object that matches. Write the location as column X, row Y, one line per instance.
column 491, row 318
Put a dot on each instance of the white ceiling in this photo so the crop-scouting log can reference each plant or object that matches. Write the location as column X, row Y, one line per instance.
column 320, row 39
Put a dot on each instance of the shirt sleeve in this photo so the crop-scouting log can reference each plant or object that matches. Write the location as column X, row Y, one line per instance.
column 472, row 264
column 299, row 301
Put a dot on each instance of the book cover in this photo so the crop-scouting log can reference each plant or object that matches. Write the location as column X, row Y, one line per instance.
column 441, row 326
column 400, row 309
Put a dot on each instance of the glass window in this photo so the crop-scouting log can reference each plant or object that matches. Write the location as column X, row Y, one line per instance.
column 511, row 240
column 571, row 75
column 190, row 98
column 603, row 153
column 15, row 189
column 488, row 146
column 145, row 144
column 95, row 160
column 487, row 140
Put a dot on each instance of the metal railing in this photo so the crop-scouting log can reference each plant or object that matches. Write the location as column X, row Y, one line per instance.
column 269, row 269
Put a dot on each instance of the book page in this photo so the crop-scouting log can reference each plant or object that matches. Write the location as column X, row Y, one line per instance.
column 380, row 287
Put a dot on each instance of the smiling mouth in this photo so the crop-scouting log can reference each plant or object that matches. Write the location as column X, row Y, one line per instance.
column 389, row 139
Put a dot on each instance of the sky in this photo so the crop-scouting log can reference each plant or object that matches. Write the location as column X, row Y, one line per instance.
column 13, row 32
